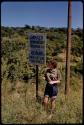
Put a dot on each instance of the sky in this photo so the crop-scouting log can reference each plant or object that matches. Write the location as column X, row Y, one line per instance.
column 45, row 14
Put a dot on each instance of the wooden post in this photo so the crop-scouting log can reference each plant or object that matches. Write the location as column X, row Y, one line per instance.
column 36, row 81
column 67, row 82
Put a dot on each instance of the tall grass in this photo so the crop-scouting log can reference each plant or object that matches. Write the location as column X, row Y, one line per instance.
column 19, row 106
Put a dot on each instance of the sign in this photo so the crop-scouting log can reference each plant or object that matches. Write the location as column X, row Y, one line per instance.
column 37, row 48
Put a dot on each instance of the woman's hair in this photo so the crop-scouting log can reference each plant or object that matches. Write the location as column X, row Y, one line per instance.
column 53, row 63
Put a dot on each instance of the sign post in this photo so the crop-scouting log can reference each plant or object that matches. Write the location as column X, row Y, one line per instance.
column 37, row 52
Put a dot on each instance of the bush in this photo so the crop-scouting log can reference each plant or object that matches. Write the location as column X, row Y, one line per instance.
column 77, row 69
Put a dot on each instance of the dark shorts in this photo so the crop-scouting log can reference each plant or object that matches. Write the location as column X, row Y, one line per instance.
column 51, row 90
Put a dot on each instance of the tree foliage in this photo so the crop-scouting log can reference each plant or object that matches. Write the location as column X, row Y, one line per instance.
column 14, row 49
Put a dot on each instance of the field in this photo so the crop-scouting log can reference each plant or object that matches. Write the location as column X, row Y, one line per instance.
column 20, row 106
column 18, row 89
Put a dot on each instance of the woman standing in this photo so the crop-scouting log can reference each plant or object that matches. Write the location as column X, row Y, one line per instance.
column 53, row 78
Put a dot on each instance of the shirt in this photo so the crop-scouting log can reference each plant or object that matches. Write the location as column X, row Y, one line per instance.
column 52, row 75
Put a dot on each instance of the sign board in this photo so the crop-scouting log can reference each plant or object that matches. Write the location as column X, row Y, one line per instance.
column 37, row 48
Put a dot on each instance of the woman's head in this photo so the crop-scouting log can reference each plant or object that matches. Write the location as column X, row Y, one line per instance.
column 52, row 64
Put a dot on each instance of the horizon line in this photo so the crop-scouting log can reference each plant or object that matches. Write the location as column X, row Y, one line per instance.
column 41, row 26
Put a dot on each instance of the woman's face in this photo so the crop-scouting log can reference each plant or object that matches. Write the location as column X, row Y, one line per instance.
column 50, row 65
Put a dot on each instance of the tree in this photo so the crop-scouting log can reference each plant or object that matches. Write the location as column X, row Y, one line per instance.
column 27, row 26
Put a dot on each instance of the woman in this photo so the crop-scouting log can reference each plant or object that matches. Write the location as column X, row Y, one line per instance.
column 53, row 78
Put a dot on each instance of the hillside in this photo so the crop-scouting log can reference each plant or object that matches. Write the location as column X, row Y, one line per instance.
column 18, row 98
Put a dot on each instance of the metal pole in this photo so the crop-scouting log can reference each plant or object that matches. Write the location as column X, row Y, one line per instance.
column 67, row 82
column 36, row 81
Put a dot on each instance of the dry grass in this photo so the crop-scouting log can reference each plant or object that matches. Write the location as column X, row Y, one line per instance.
column 20, row 106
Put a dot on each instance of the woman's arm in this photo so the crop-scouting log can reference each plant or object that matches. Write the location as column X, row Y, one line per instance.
column 47, row 76
column 53, row 82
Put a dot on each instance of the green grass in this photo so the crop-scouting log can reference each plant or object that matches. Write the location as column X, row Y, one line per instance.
column 19, row 106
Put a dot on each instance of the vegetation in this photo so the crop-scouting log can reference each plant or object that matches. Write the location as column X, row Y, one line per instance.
column 19, row 103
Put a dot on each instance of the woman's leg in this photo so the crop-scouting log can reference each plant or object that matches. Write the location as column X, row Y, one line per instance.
column 45, row 101
column 53, row 99
column 52, row 107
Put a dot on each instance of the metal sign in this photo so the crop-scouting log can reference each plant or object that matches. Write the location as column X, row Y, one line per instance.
column 37, row 48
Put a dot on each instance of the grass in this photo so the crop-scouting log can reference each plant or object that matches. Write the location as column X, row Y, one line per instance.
column 19, row 106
